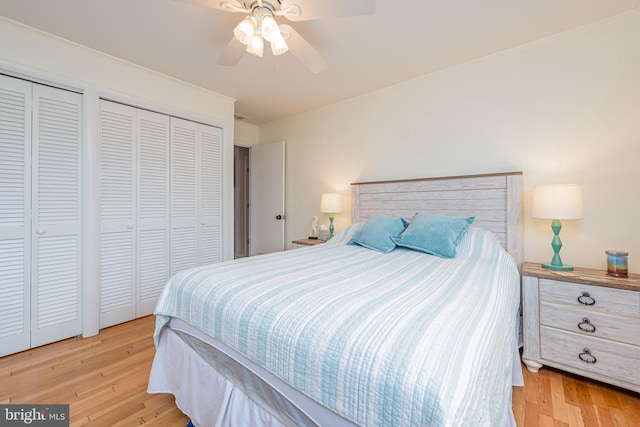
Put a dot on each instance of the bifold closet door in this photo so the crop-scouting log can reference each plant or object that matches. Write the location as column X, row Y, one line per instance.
column 152, row 231
column 57, row 215
column 196, row 194
column 117, row 213
column 210, row 195
column 15, row 215
column 134, row 211
column 40, row 221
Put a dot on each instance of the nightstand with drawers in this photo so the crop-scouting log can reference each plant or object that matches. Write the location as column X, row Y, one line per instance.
column 306, row 242
column 582, row 321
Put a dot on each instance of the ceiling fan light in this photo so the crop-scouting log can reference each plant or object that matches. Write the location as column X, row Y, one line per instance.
column 256, row 46
column 279, row 46
column 245, row 30
column 269, row 28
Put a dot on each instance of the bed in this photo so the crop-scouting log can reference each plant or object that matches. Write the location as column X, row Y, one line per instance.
column 341, row 334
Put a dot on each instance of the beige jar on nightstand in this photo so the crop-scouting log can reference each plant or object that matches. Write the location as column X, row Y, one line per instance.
column 582, row 321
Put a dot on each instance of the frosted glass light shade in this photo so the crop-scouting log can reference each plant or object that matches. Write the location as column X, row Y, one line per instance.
column 245, row 30
column 256, row 46
column 330, row 203
column 269, row 28
column 557, row 201
column 279, row 46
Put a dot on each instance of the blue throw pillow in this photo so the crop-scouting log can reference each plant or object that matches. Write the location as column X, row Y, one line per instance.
column 434, row 234
column 377, row 233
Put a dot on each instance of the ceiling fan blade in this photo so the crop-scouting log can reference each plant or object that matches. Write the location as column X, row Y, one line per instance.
column 302, row 50
column 314, row 9
column 231, row 55
column 214, row 4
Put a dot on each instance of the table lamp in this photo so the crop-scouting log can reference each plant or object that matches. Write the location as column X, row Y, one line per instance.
column 330, row 203
column 556, row 202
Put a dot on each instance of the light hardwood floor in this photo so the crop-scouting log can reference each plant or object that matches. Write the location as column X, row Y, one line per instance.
column 104, row 379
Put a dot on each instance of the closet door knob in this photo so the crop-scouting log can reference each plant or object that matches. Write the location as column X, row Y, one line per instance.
column 129, row 227
column 40, row 231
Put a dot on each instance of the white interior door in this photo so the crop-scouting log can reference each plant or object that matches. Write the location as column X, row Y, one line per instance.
column 15, row 214
column 117, row 213
column 266, row 206
column 184, row 203
column 196, row 194
column 56, row 208
column 152, row 209
column 210, row 194
column 40, row 214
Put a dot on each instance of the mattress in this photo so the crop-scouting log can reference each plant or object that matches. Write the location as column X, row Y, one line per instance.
column 396, row 339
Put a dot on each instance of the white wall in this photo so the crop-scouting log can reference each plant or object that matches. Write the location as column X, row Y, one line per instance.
column 562, row 110
column 246, row 135
column 39, row 56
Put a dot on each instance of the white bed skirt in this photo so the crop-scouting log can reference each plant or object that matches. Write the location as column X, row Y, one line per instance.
column 201, row 392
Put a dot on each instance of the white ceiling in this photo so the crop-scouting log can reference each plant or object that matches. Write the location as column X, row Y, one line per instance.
column 401, row 41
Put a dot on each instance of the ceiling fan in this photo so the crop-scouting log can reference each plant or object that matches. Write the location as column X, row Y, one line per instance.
column 260, row 24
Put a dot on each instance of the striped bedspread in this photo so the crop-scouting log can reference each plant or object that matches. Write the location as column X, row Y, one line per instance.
column 398, row 339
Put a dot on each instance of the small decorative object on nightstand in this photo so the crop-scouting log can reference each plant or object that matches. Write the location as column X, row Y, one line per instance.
column 314, row 227
column 617, row 263
column 323, row 234
column 583, row 321
column 306, row 242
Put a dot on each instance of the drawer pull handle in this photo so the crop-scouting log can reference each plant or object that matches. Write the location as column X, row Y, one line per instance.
column 586, row 326
column 587, row 357
column 586, row 299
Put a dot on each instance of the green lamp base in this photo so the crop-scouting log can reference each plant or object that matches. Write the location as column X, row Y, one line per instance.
column 563, row 267
column 556, row 244
column 331, row 227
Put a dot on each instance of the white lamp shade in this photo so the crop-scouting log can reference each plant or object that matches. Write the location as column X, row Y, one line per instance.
column 557, row 201
column 330, row 203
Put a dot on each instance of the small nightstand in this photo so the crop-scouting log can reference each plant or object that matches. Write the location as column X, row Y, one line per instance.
column 306, row 242
column 582, row 321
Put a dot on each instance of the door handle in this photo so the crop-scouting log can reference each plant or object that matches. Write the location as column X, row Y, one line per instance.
column 279, row 217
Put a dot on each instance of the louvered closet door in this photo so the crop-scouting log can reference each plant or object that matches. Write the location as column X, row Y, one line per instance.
column 196, row 194
column 184, row 204
column 153, row 209
column 56, row 204
column 117, row 213
column 210, row 195
column 15, row 214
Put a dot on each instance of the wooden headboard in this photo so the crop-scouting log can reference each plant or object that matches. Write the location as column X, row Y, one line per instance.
column 494, row 199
